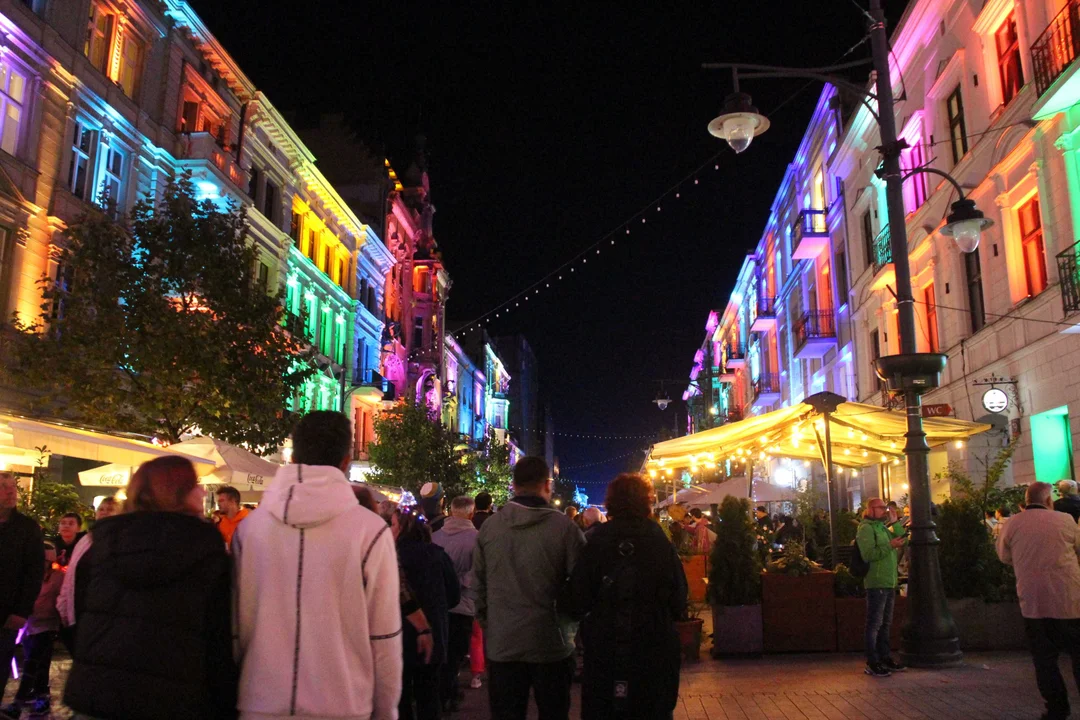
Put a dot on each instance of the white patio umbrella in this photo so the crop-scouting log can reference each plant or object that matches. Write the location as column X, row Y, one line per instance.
column 235, row 466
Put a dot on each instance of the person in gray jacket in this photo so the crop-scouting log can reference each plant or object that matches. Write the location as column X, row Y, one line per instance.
column 458, row 538
column 524, row 555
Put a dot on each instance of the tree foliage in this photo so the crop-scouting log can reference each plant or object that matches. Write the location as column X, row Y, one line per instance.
column 735, row 574
column 489, row 470
column 46, row 502
column 414, row 448
column 159, row 325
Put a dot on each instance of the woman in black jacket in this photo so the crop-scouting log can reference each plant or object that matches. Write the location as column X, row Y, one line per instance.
column 434, row 583
column 154, row 607
column 629, row 587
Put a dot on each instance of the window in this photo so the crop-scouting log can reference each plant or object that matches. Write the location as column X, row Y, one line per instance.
column 973, row 275
column 954, row 107
column 264, row 276
column 83, row 143
column 132, row 50
column 930, row 300
column 418, row 333
column 840, row 262
column 112, row 178
column 253, row 186
column 98, row 37
column 868, row 237
column 1008, row 52
column 1032, row 242
column 61, row 286
column 12, row 96
column 915, row 187
column 270, row 201
column 309, row 249
column 324, row 259
column 342, row 272
column 296, row 226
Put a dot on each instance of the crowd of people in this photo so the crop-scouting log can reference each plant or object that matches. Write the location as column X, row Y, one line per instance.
column 324, row 603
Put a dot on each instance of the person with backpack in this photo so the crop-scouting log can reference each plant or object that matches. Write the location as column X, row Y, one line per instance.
column 629, row 588
column 874, row 558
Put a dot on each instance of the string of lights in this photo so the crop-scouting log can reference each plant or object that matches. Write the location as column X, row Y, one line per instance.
column 588, row 436
column 602, row 462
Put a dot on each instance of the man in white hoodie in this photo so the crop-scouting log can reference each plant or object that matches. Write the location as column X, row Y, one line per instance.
column 316, row 591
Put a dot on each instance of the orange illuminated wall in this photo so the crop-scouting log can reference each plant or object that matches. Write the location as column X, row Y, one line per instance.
column 319, row 244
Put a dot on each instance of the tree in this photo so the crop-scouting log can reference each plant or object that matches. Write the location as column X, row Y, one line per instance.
column 158, row 324
column 413, row 448
column 491, row 471
column 46, row 502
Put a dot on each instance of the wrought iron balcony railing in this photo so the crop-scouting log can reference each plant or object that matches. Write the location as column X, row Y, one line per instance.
column 1056, row 49
column 1069, row 275
column 815, row 325
column 882, row 249
column 767, row 384
column 766, row 307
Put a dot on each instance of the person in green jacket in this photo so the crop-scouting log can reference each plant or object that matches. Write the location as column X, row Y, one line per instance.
column 879, row 537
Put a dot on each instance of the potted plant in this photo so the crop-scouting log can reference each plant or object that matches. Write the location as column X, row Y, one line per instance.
column 735, row 582
column 689, row 629
column 798, row 610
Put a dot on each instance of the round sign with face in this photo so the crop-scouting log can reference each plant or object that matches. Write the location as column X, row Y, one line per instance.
column 995, row 400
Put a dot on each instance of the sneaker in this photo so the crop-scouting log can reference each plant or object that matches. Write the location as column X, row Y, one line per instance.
column 41, row 708
column 893, row 666
column 877, row 670
column 476, row 683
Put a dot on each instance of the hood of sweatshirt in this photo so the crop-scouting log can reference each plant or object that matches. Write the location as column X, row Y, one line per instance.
column 520, row 516
column 303, row 496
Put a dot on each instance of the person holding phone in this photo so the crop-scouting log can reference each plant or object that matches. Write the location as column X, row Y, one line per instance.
column 878, row 538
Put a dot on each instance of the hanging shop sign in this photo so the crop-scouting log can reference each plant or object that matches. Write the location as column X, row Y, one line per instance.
column 995, row 400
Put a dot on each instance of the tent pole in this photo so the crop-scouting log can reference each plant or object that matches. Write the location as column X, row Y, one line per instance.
column 830, row 483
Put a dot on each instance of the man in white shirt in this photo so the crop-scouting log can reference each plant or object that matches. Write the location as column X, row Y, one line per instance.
column 318, row 615
column 1043, row 547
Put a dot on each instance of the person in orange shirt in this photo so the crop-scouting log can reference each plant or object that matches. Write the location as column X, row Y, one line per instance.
column 228, row 502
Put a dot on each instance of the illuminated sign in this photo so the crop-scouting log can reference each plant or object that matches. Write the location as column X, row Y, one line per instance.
column 995, row 400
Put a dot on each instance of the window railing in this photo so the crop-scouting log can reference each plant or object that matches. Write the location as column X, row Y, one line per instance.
column 812, row 222
column 734, row 351
column 1069, row 275
column 816, row 324
column 1054, row 51
column 767, row 384
column 766, row 307
column 882, row 249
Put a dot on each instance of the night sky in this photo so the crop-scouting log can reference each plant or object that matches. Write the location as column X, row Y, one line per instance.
column 550, row 124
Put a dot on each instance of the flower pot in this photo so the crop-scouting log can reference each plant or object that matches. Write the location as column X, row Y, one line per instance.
column 798, row 614
column 736, row 630
column 690, row 637
column 851, row 623
column 988, row 626
column 696, row 573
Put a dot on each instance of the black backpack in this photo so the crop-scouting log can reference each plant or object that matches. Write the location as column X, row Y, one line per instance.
column 859, row 567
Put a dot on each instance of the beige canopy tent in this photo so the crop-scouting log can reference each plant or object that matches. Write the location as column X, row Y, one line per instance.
column 854, row 434
column 824, row 427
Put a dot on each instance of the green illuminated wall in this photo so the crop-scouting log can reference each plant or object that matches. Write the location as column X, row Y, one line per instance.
column 1051, row 443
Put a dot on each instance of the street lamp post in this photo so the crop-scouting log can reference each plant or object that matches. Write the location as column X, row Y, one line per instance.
column 930, row 637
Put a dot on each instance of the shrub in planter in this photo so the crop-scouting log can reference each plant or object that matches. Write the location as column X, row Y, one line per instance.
column 735, row 581
column 798, row 609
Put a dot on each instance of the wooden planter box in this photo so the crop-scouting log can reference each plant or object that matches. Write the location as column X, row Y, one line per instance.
column 851, row 623
column 736, row 630
column 988, row 626
column 697, row 572
column 798, row 614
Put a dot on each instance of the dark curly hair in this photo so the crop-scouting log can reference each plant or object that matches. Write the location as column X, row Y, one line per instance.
column 629, row 495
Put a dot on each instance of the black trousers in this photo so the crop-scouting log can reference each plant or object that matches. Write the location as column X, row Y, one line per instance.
column 35, row 678
column 7, row 651
column 456, row 650
column 509, row 684
column 1049, row 638
column 420, row 689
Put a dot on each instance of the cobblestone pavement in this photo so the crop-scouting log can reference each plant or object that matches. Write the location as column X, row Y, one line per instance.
column 810, row 687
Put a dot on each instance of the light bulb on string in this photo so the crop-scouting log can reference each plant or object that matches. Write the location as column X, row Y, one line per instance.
column 716, row 167
column 676, row 195
column 627, row 231
column 695, row 181
column 643, row 220
column 657, row 208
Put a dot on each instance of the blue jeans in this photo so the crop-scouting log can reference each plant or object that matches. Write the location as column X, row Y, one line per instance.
column 879, row 611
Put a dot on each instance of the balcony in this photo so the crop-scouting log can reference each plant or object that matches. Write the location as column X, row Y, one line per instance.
column 1052, row 56
column 1069, row 275
column 199, row 149
column 765, row 319
column 766, row 389
column 369, row 385
column 882, row 249
column 815, row 334
column 811, row 235
column 734, row 357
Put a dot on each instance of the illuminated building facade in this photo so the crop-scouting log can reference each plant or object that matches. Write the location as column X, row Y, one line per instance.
column 464, row 407
column 989, row 94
